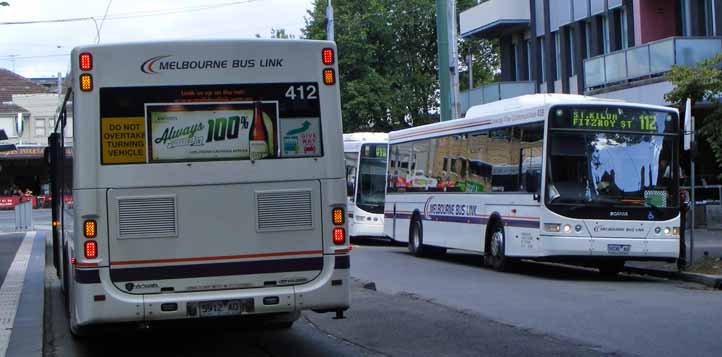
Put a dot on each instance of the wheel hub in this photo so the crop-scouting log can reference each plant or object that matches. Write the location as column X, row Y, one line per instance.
column 497, row 240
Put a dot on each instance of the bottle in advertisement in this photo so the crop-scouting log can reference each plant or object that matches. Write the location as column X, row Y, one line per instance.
column 258, row 135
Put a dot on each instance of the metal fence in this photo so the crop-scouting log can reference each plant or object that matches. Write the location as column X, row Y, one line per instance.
column 493, row 92
column 708, row 206
column 24, row 216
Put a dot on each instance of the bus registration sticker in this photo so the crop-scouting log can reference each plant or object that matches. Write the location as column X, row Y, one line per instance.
column 225, row 307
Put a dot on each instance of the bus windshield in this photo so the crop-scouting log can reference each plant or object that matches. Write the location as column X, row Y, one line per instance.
column 372, row 178
column 607, row 161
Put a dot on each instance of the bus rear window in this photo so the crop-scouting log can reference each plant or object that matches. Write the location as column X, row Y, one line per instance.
column 207, row 123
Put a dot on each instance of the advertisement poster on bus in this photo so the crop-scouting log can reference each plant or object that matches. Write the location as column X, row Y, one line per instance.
column 300, row 137
column 212, row 131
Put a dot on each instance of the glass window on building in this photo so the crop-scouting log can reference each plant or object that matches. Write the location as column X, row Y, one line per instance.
column 709, row 17
column 40, row 127
column 541, row 53
column 572, row 52
column 587, row 39
column 605, row 34
column 528, row 59
column 558, row 58
column 625, row 27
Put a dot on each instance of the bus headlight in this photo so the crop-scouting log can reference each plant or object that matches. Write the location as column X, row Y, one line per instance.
column 552, row 227
column 567, row 228
column 667, row 231
column 675, row 231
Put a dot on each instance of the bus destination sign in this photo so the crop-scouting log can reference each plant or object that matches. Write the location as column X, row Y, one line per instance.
column 615, row 119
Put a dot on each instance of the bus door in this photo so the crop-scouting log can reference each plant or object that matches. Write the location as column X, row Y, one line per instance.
column 54, row 159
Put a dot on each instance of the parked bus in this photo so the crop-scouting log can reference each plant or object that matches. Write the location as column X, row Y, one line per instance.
column 550, row 177
column 207, row 179
column 365, row 183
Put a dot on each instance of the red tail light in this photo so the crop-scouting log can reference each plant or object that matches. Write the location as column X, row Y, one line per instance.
column 91, row 249
column 339, row 236
column 86, row 61
column 327, row 55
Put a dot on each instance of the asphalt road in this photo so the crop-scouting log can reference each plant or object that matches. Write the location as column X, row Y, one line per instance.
column 9, row 243
column 627, row 314
column 378, row 324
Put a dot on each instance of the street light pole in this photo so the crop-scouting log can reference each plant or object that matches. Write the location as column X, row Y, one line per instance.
column 329, row 22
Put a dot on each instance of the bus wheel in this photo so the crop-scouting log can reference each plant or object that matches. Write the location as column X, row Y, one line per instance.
column 611, row 269
column 497, row 257
column 416, row 238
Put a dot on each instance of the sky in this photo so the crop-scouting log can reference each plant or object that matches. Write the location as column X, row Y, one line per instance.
column 43, row 49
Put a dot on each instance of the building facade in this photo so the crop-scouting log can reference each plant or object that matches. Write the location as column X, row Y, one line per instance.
column 617, row 49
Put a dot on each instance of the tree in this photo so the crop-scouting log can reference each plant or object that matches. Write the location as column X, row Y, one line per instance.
column 702, row 83
column 387, row 60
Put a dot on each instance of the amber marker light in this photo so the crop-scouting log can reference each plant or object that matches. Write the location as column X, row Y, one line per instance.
column 338, row 216
column 90, row 228
column 329, row 76
column 86, row 82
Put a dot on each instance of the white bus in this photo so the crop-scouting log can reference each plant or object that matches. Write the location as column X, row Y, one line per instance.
column 207, row 180
column 365, row 183
column 550, row 177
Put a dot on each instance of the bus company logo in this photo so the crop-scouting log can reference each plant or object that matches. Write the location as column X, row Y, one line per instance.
column 618, row 214
column 427, row 205
column 131, row 286
column 149, row 66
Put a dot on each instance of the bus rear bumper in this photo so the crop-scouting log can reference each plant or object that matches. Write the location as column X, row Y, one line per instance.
column 330, row 291
column 620, row 248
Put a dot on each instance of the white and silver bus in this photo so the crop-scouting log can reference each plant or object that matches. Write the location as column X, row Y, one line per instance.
column 365, row 183
column 550, row 177
column 207, row 180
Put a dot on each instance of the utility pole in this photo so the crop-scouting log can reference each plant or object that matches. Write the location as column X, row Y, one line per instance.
column 446, row 42
column 329, row 22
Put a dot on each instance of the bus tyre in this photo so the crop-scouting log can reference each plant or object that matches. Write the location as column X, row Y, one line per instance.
column 496, row 256
column 611, row 269
column 416, row 238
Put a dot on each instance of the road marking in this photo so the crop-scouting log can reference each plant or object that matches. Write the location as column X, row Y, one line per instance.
column 12, row 288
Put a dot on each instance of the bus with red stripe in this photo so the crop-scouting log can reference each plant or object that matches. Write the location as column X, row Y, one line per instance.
column 552, row 177
column 207, row 180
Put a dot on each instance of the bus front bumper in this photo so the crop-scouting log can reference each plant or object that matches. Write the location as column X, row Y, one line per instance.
column 620, row 248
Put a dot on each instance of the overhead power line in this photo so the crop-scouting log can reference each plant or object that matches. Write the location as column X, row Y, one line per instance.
column 135, row 14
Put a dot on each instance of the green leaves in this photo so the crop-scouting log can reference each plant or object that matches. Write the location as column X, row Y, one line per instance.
column 387, row 60
column 702, row 83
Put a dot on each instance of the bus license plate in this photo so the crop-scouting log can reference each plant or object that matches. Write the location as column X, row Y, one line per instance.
column 618, row 248
column 225, row 307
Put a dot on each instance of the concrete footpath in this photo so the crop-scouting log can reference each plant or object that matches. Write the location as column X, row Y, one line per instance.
column 22, row 296
column 707, row 245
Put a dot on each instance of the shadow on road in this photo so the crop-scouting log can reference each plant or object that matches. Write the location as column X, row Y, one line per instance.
column 537, row 269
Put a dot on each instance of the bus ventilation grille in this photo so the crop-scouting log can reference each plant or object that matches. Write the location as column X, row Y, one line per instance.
column 147, row 217
column 284, row 210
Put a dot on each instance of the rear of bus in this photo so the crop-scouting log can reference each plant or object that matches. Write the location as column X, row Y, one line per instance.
column 209, row 181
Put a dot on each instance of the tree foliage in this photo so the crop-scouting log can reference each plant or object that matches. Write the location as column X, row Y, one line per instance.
column 387, row 60
column 702, row 83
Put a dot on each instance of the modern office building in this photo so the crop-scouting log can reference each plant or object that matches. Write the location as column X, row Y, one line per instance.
column 607, row 48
